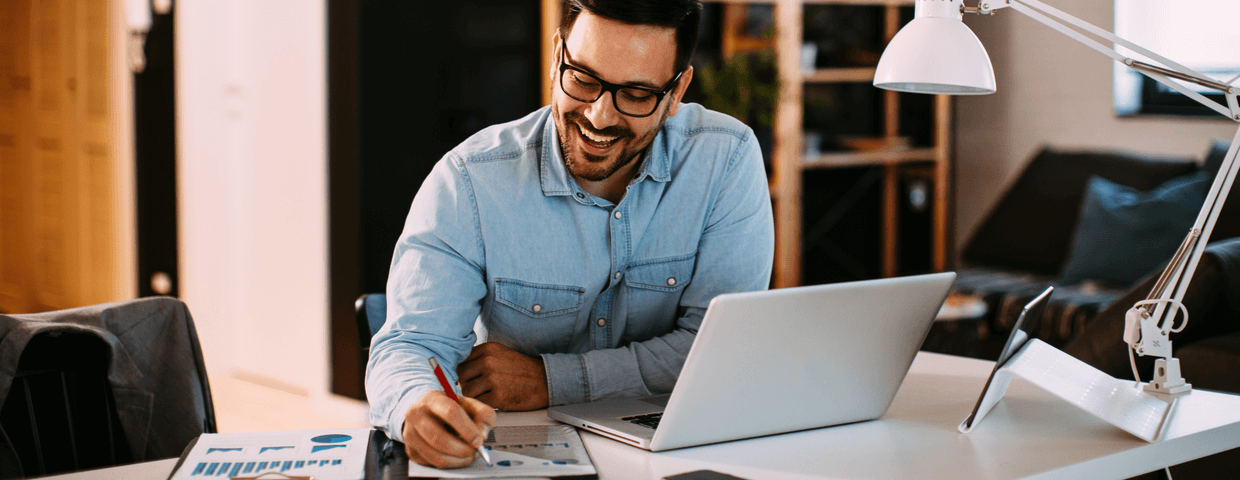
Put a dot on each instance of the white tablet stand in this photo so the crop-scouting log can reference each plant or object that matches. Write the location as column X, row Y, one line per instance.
column 1122, row 403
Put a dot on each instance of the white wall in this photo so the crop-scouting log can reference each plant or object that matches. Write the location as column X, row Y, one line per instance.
column 1051, row 91
column 252, row 174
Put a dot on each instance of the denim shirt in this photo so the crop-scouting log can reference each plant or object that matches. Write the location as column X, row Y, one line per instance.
column 610, row 296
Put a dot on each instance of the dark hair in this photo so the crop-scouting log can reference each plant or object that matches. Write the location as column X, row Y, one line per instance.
column 683, row 15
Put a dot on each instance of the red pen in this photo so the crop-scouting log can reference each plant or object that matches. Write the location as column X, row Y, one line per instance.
column 447, row 388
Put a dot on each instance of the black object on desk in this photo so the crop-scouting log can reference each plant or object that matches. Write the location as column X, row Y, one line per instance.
column 702, row 475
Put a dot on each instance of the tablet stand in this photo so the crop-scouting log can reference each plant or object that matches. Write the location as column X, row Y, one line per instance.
column 1119, row 402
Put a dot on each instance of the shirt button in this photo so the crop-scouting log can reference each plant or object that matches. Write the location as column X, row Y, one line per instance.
column 602, row 322
column 581, row 195
column 617, row 275
column 671, row 281
column 537, row 308
column 617, row 214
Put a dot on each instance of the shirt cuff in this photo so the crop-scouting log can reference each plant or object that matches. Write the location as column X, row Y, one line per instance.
column 566, row 378
column 396, row 418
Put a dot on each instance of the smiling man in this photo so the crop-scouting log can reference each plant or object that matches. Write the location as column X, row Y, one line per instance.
column 587, row 239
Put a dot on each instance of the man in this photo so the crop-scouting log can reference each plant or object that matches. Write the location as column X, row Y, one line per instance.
column 589, row 238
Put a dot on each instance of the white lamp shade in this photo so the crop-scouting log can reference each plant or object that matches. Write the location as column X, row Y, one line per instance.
column 936, row 55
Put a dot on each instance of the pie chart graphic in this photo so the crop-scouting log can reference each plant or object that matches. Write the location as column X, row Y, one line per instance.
column 331, row 438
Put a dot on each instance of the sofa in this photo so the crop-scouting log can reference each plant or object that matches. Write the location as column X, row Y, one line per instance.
column 1044, row 232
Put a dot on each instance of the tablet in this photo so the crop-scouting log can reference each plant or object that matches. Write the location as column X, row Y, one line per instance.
column 1022, row 331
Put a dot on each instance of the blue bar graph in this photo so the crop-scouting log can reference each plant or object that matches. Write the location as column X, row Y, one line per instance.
column 233, row 469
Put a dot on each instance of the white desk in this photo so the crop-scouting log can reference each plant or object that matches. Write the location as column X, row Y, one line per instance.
column 1030, row 434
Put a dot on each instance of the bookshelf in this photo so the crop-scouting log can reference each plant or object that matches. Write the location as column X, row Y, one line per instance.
column 887, row 150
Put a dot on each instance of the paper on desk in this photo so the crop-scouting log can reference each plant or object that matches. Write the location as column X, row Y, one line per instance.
column 1118, row 402
column 338, row 454
column 524, row 451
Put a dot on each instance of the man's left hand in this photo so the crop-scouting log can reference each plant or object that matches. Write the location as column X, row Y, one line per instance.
column 504, row 378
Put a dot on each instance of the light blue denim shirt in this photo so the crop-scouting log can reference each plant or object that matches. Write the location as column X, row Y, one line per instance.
column 610, row 296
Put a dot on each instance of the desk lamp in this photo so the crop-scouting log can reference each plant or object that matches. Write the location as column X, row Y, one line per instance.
column 936, row 53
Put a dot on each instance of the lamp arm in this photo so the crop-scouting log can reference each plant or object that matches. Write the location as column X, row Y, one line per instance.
column 1063, row 23
column 1206, row 218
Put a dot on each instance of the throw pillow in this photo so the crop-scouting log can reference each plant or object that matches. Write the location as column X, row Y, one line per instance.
column 1124, row 233
column 1051, row 189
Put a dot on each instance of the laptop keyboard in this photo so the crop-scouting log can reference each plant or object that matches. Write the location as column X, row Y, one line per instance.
column 649, row 420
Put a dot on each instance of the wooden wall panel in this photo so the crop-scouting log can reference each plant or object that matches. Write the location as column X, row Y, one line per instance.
column 59, row 212
column 98, row 233
column 16, row 240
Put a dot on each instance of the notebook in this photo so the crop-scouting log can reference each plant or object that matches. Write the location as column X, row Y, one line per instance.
column 778, row 361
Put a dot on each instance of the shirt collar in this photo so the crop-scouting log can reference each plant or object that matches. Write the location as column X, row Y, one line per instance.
column 556, row 180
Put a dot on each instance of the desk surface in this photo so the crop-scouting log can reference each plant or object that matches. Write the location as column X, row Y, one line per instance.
column 1030, row 434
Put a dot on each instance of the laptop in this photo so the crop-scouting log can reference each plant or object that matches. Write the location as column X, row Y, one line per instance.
column 778, row 361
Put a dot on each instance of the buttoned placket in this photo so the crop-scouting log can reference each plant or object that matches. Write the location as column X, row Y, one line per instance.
column 601, row 322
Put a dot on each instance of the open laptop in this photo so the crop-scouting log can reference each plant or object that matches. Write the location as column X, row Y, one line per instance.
column 778, row 361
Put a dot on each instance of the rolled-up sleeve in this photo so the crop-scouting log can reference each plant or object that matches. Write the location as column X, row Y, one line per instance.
column 434, row 294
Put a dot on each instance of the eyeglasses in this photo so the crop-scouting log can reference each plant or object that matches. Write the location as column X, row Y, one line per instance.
column 629, row 100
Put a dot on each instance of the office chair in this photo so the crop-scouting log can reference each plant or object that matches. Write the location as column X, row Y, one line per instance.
column 371, row 311
column 60, row 415
column 100, row 386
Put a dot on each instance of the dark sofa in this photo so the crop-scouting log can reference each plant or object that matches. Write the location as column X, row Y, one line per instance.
column 1024, row 243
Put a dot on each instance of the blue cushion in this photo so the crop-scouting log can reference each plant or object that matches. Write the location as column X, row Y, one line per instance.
column 1125, row 234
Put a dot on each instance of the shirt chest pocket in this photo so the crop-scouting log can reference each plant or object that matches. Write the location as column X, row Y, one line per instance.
column 537, row 300
column 662, row 275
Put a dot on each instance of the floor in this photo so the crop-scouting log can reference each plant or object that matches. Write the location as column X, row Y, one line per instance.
column 248, row 404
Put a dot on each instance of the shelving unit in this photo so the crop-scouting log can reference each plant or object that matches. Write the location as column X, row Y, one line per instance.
column 789, row 161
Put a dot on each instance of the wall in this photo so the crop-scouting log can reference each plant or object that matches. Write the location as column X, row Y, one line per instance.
column 252, row 176
column 1051, row 91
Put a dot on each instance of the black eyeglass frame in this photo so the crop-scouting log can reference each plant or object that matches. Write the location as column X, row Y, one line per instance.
column 612, row 87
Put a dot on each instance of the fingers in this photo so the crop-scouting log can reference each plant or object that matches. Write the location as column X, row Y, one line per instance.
column 504, row 378
column 482, row 413
column 435, row 432
column 475, row 367
column 470, row 370
column 477, row 385
column 428, row 458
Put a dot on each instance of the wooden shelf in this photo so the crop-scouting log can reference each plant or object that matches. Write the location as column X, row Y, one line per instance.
column 860, row 159
column 841, row 75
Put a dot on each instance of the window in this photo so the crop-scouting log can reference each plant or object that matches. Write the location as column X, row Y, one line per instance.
column 1200, row 35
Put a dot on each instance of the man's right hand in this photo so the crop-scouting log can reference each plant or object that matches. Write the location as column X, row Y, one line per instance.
column 441, row 433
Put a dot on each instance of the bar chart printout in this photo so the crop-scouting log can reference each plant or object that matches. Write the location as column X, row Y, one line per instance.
column 539, row 451
column 322, row 454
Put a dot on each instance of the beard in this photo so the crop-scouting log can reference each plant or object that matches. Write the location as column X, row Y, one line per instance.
column 596, row 168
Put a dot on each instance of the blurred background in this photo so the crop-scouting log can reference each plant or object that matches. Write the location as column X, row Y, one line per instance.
column 257, row 159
